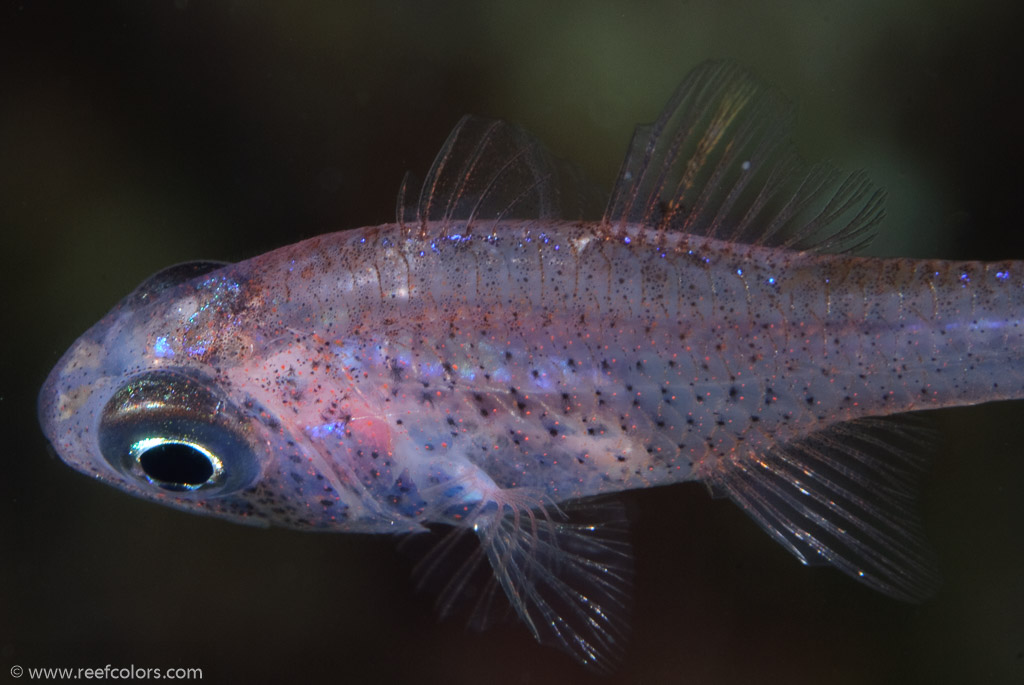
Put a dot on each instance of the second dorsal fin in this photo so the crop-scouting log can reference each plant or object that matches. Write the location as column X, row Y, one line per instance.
column 718, row 163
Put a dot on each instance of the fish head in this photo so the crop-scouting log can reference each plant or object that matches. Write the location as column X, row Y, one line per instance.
column 168, row 398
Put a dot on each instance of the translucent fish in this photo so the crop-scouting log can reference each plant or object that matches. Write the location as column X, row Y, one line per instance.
column 505, row 352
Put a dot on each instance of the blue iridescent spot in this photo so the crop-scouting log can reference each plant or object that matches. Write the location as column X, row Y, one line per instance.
column 965, row 278
column 1002, row 275
column 739, row 272
column 627, row 240
column 771, row 280
column 162, row 348
column 324, row 429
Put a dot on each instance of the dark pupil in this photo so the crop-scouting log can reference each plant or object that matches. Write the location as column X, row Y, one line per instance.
column 173, row 463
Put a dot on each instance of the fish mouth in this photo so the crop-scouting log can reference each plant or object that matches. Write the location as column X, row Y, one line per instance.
column 46, row 403
column 69, row 385
column 54, row 408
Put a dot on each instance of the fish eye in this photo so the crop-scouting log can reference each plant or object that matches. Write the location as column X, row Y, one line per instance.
column 177, row 465
column 171, row 432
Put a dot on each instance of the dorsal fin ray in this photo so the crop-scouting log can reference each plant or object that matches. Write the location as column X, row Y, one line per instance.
column 489, row 170
column 718, row 163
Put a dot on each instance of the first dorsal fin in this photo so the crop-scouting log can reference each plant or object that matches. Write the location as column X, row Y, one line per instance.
column 719, row 163
column 489, row 170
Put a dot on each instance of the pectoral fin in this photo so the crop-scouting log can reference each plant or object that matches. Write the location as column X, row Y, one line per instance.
column 567, row 577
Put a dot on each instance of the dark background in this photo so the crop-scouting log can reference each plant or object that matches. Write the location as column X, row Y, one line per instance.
column 137, row 134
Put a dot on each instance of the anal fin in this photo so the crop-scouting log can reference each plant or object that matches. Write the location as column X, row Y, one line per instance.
column 844, row 495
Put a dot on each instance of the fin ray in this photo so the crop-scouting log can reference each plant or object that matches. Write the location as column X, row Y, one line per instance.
column 568, row 581
column 718, row 163
column 844, row 494
column 489, row 170
column 567, row 577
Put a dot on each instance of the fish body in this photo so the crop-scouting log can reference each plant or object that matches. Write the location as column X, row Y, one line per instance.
column 488, row 361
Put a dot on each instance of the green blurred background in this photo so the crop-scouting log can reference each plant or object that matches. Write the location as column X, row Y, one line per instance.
column 138, row 134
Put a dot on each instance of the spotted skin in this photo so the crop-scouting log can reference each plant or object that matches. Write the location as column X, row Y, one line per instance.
column 550, row 358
